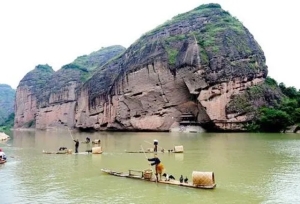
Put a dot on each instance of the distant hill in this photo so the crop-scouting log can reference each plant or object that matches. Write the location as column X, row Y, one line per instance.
column 7, row 97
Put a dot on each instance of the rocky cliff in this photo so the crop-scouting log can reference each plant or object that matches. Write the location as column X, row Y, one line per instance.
column 7, row 101
column 198, row 62
column 203, row 62
column 47, row 99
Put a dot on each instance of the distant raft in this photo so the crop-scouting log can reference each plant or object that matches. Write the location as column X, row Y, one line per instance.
column 94, row 150
column 176, row 149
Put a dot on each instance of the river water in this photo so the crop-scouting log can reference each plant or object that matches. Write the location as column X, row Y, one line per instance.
column 248, row 168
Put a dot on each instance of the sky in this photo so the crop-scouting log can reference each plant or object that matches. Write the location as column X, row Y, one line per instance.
column 56, row 32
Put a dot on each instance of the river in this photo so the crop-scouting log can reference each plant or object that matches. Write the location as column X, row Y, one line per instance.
column 248, row 168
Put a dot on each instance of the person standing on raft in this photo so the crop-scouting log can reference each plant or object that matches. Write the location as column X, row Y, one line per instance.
column 155, row 142
column 76, row 145
column 159, row 167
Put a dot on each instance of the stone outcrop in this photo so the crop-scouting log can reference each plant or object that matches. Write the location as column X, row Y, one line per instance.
column 197, row 63
column 48, row 100
column 3, row 136
column 28, row 94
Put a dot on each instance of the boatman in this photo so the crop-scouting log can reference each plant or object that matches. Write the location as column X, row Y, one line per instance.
column 76, row 145
column 88, row 140
column 159, row 167
column 155, row 142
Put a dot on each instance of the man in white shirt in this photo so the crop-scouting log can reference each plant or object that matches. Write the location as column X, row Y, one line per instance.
column 2, row 155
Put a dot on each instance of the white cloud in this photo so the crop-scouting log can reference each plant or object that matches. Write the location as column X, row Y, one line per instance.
column 56, row 32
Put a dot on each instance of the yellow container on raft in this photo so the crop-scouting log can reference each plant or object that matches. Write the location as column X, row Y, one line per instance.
column 69, row 151
column 178, row 149
column 148, row 174
column 203, row 178
column 96, row 150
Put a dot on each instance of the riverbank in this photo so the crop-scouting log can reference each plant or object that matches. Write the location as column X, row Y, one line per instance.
column 3, row 136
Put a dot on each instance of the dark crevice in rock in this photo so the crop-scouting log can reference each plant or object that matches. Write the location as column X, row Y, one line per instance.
column 136, row 94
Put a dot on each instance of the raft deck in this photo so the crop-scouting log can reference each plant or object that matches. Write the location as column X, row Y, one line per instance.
column 153, row 179
column 140, row 151
column 47, row 152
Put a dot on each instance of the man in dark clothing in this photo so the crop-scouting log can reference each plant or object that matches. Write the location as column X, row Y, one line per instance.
column 88, row 140
column 76, row 145
column 155, row 142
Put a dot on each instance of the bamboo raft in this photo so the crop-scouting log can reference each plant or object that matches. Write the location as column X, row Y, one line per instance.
column 176, row 149
column 145, row 177
column 94, row 150
column 60, row 152
column 140, row 151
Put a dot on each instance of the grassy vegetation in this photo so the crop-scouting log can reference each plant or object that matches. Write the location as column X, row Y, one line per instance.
column 203, row 10
column 172, row 53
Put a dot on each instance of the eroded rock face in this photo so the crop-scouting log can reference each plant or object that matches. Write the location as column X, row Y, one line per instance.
column 27, row 95
column 197, row 62
column 25, row 107
column 60, row 110
column 52, row 103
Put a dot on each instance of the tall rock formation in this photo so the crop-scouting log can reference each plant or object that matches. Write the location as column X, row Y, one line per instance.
column 197, row 62
column 7, row 101
column 203, row 62
column 46, row 99
column 28, row 94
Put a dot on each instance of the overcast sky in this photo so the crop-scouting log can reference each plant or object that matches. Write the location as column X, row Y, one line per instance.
column 55, row 32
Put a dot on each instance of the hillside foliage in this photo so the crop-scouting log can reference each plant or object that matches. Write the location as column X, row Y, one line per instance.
column 7, row 97
column 279, row 117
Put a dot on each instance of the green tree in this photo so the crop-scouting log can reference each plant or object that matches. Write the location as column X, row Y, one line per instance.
column 272, row 120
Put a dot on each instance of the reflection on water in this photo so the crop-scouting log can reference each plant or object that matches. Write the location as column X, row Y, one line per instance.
column 249, row 168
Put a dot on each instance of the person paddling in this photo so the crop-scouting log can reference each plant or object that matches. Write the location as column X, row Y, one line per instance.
column 76, row 145
column 155, row 142
column 159, row 167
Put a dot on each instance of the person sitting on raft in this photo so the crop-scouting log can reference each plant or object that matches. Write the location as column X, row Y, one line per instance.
column 159, row 167
column 87, row 140
column 2, row 155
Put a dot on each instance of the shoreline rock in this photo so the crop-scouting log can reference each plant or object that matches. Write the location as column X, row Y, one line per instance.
column 3, row 136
